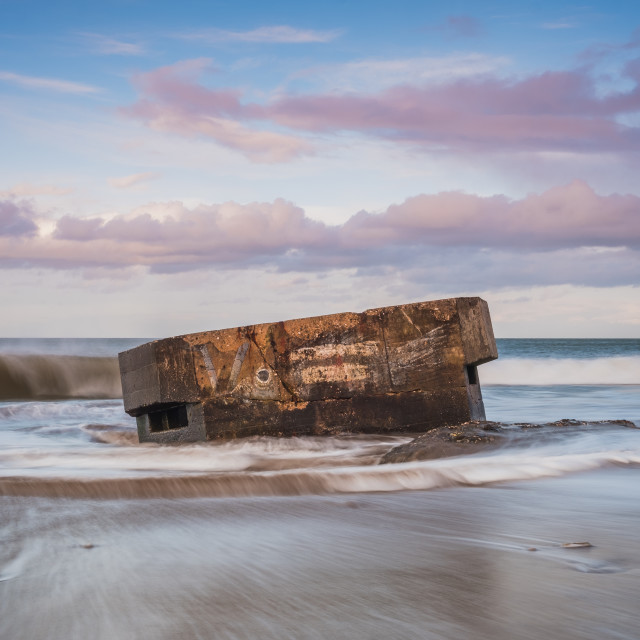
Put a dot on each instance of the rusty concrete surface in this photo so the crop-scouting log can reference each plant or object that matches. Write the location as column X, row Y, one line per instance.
column 410, row 367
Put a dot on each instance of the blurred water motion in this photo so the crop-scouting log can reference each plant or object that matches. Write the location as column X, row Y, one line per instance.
column 311, row 538
column 441, row 564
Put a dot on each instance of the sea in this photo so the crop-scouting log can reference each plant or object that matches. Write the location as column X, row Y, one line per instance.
column 311, row 537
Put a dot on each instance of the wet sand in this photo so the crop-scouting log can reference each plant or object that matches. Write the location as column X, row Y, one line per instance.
column 449, row 563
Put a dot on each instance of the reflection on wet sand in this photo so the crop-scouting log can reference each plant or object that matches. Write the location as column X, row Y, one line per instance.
column 448, row 563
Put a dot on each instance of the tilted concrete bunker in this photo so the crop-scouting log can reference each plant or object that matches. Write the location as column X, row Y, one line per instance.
column 410, row 368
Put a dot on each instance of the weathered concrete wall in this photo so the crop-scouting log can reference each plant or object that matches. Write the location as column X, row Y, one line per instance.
column 405, row 368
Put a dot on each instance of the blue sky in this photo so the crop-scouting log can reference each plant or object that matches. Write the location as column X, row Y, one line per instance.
column 173, row 167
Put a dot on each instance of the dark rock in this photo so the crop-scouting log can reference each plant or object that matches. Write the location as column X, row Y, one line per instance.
column 443, row 442
column 477, row 435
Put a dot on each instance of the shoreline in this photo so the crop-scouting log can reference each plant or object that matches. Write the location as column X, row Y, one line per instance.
column 446, row 563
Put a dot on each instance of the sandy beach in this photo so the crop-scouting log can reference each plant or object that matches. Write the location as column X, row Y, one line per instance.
column 448, row 563
column 311, row 538
column 319, row 321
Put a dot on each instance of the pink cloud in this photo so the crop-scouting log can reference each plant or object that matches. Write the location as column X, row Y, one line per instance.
column 568, row 234
column 173, row 102
column 16, row 219
column 214, row 234
column 70, row 228
column 25, row 189
column 265, row 35
column 132, row 180
column 563, row 217
column 552, row 111
column 601, row 50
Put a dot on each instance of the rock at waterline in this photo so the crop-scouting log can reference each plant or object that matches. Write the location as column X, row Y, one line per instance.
column 478, row 435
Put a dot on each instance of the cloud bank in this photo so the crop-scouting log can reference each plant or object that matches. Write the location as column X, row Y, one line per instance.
column 555, row 111
column 568, row 234
column 16, row 220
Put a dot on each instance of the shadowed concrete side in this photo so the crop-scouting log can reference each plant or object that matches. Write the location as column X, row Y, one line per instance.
column 404, row 368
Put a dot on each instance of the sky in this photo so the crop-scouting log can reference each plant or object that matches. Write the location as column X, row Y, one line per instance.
column 176, row 167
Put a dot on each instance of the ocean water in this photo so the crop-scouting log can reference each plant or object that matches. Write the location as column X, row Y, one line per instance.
column 311, row 537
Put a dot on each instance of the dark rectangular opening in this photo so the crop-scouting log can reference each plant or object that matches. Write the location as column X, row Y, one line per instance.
column 156, row 421
column 177, row 417
column 472, row 374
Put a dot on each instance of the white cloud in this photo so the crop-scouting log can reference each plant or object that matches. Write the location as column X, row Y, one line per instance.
column 277, row 34
column 558, row 25
column 370, row 75
column 70, row 305
column 458, row 241
column 112, row 46
column 135, row 179
column 52, row 84
column 565, row 311
column 25, row 190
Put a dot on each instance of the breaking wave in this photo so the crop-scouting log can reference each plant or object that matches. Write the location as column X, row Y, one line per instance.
column 56, row 377
column 301, row 466
column 60, row 377
column 465, row 471
column 556, row 371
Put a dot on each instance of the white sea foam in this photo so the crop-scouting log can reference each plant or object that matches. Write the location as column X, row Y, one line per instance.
column 32, row 377
column 263, row 466
column 471, row 471
column 257, row 453
column 554, row 371
column 474, row 470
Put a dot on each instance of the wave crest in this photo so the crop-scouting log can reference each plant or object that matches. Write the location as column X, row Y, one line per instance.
column 555, row 371
column 467, row 471
column 54, row 377
column 60, row 377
